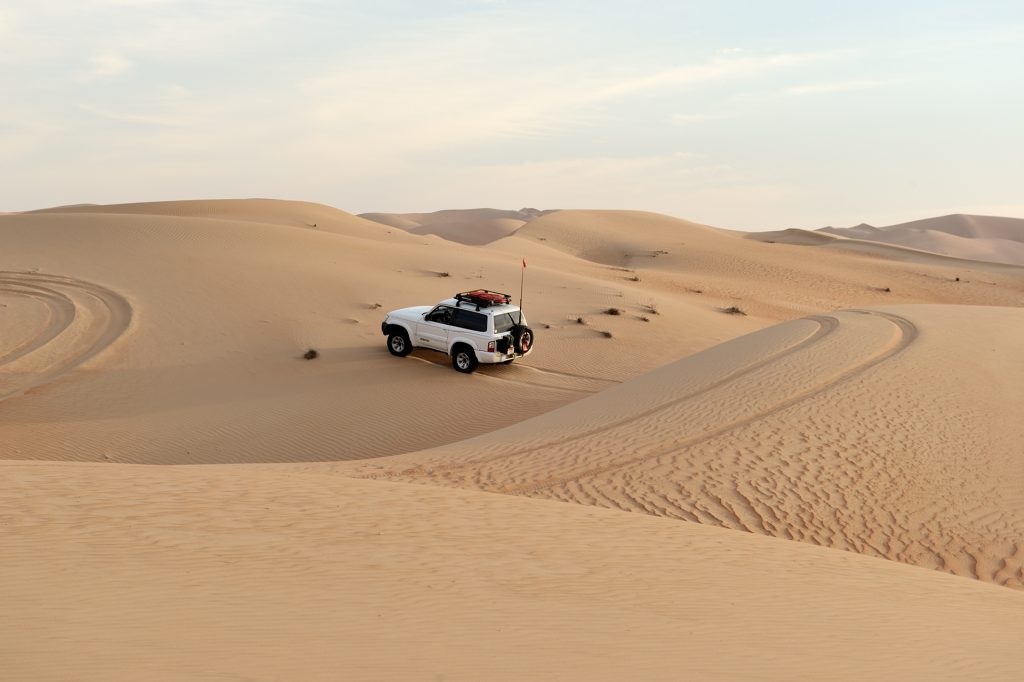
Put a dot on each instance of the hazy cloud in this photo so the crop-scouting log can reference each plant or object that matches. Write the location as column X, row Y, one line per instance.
column 840, row 86
column 132, row 118
column 398, row 105
column 107, row 64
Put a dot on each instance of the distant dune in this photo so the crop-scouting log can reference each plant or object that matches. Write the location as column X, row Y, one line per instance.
column 268, row 211
column 467, row 226
column 984, row 238
column 798, row 423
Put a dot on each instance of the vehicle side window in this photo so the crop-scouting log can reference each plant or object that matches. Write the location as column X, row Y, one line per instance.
column 503, row 323
column 441, row 314
column 467, row 319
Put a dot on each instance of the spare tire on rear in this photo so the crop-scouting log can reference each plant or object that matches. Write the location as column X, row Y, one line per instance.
column 523, row 337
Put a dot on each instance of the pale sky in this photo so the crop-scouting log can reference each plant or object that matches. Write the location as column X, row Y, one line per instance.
column 742, row 114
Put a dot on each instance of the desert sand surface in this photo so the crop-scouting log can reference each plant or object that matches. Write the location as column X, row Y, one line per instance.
column 973, row 237
column 119, row 572
column 770, row 440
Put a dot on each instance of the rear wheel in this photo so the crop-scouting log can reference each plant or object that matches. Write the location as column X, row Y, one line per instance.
column 398, row 343
column 463, row 359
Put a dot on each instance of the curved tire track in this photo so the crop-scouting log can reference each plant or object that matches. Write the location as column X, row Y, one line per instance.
column 84, row 319
column 907, row 334
column 826, row 326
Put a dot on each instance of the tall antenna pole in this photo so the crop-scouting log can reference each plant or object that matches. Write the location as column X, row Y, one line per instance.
column 522, row 278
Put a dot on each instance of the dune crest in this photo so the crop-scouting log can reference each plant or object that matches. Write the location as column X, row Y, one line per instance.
column 265, row 211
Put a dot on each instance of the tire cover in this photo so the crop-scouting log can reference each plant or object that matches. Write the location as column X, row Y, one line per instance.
column 524, row 340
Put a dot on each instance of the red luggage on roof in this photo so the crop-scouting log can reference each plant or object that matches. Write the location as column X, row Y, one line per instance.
column 484, row 297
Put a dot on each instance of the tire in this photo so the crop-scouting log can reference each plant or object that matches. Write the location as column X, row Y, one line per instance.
column 464, row 359
column 399, row 344
column 523, row 340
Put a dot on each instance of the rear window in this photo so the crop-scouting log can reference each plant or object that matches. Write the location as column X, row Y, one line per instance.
column 503, row 323
column 467, row 319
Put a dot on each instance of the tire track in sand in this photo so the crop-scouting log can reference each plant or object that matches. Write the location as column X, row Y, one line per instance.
column 907, row 334
column 826, row 326
column 83, row 320
column 562, row 381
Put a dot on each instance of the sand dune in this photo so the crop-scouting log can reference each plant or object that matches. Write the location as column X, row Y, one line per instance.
column 221, row 312
column 834, row 411
column 113, row 572
column 974, row 258
column 794, row 236
column 972, row 237
column 691, row 262
column 222, row 309
column 476, row 226
column 266, row 211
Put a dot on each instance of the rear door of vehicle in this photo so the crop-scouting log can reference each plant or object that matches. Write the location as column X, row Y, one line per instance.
column 471, row 326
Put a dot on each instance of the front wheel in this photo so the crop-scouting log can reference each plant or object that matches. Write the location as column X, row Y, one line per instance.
column 398, row 344
column 463, row 359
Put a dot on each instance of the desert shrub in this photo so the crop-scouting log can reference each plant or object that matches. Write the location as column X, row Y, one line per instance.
column 613, row 311
column 733, row 310
column 311, row 354
column 606, row 334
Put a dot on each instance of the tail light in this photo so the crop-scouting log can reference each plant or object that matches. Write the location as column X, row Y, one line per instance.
column 490, row 346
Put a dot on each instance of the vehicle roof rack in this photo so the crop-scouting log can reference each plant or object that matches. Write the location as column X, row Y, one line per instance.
column 482, row 298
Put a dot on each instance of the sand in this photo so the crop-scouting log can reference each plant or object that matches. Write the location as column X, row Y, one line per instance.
column 833, row 430
column 684, row 492
column 116, row 572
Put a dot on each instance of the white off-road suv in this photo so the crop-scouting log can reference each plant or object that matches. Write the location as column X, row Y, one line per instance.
column 472, row 327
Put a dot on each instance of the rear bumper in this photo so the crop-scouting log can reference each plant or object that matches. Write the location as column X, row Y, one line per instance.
column 485, row 358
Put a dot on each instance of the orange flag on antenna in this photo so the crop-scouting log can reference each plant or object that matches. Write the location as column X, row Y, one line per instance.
column 524, row 262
